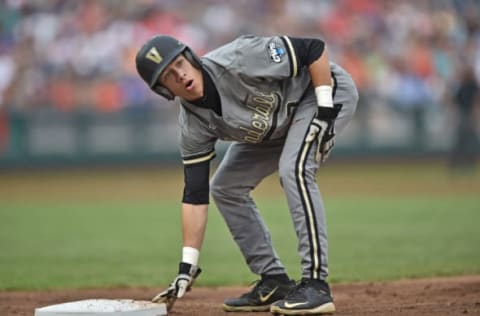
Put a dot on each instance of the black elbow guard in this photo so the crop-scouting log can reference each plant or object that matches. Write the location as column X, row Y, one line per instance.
column 197, row 189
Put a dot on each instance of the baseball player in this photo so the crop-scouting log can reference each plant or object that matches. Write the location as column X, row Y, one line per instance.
column 280, row 102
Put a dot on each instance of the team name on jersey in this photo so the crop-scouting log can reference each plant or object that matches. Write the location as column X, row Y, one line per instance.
column 262, row 105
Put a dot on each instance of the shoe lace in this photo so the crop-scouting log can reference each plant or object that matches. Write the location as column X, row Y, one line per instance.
column 298, row 291
column 253, row 292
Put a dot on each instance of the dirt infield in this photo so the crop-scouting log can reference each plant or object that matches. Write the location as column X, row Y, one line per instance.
column 439, row 296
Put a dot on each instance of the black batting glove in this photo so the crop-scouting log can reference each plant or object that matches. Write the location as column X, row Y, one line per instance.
column 322, row 129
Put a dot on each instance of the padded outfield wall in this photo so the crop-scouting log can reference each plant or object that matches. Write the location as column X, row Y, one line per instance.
column 39, row 138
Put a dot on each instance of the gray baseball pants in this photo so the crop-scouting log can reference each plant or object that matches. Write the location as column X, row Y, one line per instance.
column 245, row 165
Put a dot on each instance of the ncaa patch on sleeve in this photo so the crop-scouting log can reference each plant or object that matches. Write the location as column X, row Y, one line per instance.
column 275, row 51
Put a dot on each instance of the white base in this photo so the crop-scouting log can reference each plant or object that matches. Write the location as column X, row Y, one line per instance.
column 103, row 307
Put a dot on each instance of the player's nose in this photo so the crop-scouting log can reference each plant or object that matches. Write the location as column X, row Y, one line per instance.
column 182, row 76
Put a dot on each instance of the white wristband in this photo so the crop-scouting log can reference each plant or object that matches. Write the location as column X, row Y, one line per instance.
column 190, row 255
column 324, row 96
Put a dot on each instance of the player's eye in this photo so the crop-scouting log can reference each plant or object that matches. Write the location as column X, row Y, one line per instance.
column 167, row 75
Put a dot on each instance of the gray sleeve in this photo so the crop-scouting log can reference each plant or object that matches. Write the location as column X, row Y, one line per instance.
column 267, row 58
column 197, row 143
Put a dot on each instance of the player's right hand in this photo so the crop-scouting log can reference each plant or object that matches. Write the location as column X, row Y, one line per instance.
column 187, row 274
column 322, row 129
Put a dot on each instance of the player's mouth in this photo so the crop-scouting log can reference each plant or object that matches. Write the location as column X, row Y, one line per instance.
column 189, row 85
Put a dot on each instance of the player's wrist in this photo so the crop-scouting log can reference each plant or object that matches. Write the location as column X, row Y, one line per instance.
column 324, row 96
column 190, row 255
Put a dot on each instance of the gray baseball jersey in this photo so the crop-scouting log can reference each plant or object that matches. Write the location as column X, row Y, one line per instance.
column 267, row 104
column 259, row 87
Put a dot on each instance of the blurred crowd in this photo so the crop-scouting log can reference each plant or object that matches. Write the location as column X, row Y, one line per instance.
column 72, row 55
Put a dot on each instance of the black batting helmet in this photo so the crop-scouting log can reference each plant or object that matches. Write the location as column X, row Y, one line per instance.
column 155, row 55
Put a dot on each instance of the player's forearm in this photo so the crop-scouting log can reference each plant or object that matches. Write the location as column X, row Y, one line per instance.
column 322, row 80
column 320, row 70
column 194, row 223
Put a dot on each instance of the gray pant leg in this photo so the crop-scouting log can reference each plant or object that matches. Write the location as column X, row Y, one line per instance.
column 245, row 165
column 241, row 170
column 298, row 170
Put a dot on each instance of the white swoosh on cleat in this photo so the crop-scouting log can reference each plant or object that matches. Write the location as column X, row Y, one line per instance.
column 292, row 305
column 265, row 298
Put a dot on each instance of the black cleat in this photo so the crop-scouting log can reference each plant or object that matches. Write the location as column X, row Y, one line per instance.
column 259, row 299
column 309, row 297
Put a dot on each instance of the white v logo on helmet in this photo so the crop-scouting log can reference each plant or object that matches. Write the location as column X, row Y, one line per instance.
column 154, row 56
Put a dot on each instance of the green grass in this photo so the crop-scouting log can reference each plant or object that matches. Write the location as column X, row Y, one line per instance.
column 69, row 230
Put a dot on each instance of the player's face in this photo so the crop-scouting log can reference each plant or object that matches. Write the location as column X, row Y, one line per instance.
column 183, row 79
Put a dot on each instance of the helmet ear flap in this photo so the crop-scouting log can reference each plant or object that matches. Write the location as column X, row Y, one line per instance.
column 192, row 58
column 164, row 92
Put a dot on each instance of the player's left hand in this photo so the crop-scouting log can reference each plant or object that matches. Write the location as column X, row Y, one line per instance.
column 183, row 282
column 322, row 129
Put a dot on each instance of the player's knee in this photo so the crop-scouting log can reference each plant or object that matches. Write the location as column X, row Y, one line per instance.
column 216, row 187
column 286, row 172
column 290, row 174
column 223, row 188
column 220, row 188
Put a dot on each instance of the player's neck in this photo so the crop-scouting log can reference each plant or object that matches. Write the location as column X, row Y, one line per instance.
column 210, row 98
